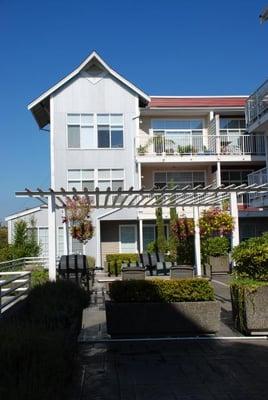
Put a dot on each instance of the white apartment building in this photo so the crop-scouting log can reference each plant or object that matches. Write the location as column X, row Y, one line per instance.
column 106, row 132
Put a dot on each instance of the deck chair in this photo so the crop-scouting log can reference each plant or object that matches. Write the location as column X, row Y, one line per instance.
column 75, row 268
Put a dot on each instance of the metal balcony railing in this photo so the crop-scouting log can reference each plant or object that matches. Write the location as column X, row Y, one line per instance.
column 258, row 177
column 200, row 145
column 257, row 104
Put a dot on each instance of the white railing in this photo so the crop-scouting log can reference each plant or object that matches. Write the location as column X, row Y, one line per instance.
column 201, row 145
column 22, row 263
column 258, row 177
column 257, row 104
column 13, row 285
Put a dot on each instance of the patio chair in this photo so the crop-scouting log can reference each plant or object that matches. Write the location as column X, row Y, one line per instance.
column 75, row 267
column 181, row 272
column 161, row 268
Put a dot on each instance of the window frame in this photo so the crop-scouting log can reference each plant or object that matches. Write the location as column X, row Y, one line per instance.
column 95, row 130
column 179, row 171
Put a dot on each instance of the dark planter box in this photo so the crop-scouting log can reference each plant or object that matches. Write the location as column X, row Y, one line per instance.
column 162, row 318
column 250, row 314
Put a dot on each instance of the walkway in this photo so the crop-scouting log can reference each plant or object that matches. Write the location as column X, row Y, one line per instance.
column 177, row 369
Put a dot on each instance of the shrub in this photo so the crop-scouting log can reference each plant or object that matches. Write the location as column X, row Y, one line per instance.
column 161, row 291
column 151, row 247
column 38, row 343
column 55, row 305
column 215, row 222
column 216, row 246
column 39, row 276
column 116, row 260
column 251, row 258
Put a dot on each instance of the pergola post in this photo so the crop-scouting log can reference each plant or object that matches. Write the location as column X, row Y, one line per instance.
column 52, row 237
column 141, row 235
column 197, row 243
column 234, row 213
column 66, row 234
column 98, row 243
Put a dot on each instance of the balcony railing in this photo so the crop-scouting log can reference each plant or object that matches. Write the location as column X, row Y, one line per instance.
column 201, row 145
column 258, row 177
column 257, row 104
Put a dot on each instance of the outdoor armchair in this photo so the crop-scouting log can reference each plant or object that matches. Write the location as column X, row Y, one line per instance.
column 75, row 267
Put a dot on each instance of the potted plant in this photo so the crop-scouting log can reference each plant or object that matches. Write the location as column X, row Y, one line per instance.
column 155, row 307
column 215, row 253
column 249, row 288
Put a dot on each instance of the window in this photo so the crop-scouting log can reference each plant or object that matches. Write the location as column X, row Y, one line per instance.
column 60, row 238
column 43, row 240
column 80, row 129
column 150, row 234
column 232, row 126
column 236, row 177
column 180, row 178
column 77, row 247
column 80, row 179
column 110, row 130
column 91, row 131
column 128, row 238
column 113, row 178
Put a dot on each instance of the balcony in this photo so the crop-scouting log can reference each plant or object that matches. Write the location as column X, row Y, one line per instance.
column 200, row 146
column 259, row 177
column 257, row 109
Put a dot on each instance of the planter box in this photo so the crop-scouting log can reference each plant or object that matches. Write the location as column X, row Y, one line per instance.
column 219, row 264
column 162, row 318
column 251, row 316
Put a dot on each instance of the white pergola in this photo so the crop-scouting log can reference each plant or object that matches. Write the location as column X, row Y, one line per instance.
column 209, row 196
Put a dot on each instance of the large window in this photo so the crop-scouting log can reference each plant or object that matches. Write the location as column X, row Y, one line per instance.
column 110, row 130
column 178, row 135
column 80, row 179
column 91, row 131
column 181, row 178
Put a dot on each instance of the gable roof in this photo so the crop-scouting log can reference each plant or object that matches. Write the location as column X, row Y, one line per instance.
column 40, row 106
column 23, row 213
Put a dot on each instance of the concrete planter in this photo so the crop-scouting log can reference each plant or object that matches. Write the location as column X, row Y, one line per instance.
column 162, row 318
column 219, row 264
column 250, row 310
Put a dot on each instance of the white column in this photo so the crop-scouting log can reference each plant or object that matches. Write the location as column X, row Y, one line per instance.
column 66, row 235
column 197, row 244
column 218, row 174
column 141, row 235
column 234, row 213
column 52, row 237
column 218, row 138
column 139, row 175
column 98, row 242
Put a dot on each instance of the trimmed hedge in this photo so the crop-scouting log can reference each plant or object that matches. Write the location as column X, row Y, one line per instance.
column 115, row 261
column 161, row 291
column 38, row 343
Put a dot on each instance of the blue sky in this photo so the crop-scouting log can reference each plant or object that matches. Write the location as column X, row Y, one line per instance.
column 171, row 47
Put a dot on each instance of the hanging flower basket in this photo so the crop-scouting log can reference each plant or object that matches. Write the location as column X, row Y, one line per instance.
column 78, row 216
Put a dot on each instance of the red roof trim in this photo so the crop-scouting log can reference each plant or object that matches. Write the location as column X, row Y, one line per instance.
column 197, row 102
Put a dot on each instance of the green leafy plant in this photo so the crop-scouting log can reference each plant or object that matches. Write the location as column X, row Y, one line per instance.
column 151, row 247
column 91, row 262
column 160, row 228
column 24, row 240
column 216, row 246
column 251, row 258
column 161, row 291
column 39, row 276
column 115, row 260
column 188, row 149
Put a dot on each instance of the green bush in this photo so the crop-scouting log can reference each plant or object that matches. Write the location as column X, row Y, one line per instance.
column 38, row 343
column 240, row 290
column 117, row 260
column 251, row 258
column 161, row 291
column 216, row 246
column 39, row 276
column 91, row 262
column 55, row 305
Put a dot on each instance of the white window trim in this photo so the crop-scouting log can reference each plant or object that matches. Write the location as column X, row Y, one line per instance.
column 120, row 235
column 95, row 176
column 95, row 131
column 80, row 177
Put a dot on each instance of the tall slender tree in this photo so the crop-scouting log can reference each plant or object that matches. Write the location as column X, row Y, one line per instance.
column 173, row 240
column 161, row 238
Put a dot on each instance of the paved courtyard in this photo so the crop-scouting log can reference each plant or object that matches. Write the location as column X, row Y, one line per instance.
column 230, row 368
